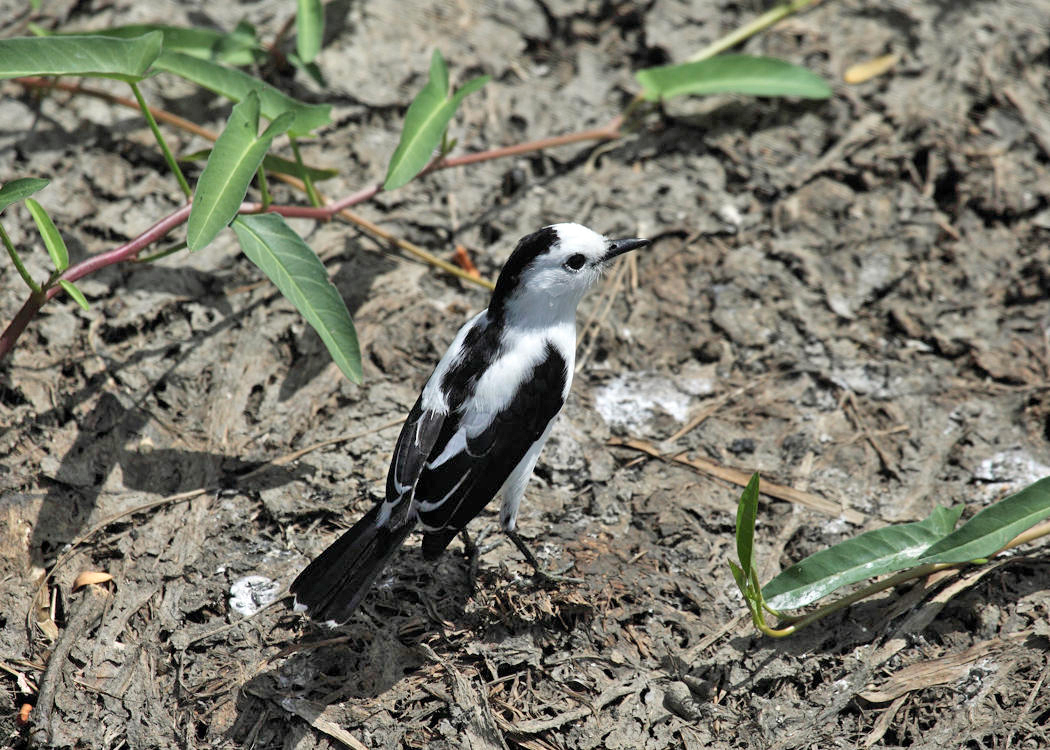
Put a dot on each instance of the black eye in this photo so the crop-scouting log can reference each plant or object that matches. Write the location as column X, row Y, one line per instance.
column 575, row 262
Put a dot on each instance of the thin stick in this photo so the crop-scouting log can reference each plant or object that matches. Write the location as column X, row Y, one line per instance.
column 741, row 478
column 75, row 88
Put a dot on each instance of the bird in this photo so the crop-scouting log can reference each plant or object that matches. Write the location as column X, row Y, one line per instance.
column 479, row 423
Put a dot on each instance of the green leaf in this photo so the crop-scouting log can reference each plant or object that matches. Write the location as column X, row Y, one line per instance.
column 989, row 531
column 870, row 554
column 75, row 293
column 732, row 74
column 56, row 246
column 290, row 263
column 236, row 85
column 746, row 512
column 309, row 28
column 20, row 189
column 230, row 168
column 239, row 47
column 425, row 123
column 124, row 59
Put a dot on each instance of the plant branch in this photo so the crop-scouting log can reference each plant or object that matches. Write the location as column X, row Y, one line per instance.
column 339, row 208
column 801, row 621
column 611, row 131
column 608, row 132
column 74, row 272
column 605, row 133
column 1037, row 531
column 130, row 250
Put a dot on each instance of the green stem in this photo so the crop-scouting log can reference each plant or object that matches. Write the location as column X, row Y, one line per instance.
column 799, row 622
column 168, row 155
column 161, row 254
column 17, row 260
column 311, row 191
column 748, row 30
column 264, row 189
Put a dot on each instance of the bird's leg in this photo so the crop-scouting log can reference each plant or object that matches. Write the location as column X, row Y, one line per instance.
column 470, row 551
column 540, row 573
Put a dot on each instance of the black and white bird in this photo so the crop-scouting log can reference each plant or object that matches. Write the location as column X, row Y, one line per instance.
column 481, row 421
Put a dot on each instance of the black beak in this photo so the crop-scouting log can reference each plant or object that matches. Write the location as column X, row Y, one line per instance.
column 619, row 247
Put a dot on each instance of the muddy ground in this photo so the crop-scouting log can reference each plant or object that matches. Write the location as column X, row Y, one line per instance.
column 850, row 296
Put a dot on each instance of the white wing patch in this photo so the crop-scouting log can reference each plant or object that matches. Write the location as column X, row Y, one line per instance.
column 456, row 445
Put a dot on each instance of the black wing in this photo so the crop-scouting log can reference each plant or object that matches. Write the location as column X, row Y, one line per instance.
column 414, row 445
column 450, row 494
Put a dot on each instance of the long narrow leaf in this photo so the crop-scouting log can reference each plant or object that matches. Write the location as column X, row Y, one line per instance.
column 76, row 294
column 239, row 47
column 309, row 29
column 124, row 59
column 989, row 531
column 290, row 263
column 425, row 123
column 870, row 554
column 230, row 168
column 746, row 512
column 732, row 74
column 20, row 189
column 236, row 85
column 56, row 246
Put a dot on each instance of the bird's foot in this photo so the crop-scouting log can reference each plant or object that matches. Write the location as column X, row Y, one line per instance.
column 470, row 549
column 539, row 574
column 548, row 578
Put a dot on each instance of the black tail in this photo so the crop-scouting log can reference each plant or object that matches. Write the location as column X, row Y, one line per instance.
column 331, row 587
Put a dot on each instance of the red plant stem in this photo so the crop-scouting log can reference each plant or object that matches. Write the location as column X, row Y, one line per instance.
column 95, row 262
column 20, row 321
column 124, row 252
column 604, row 133
column 130, row 249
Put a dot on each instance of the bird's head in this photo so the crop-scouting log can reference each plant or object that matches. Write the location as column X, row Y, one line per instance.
column 551, row 269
